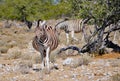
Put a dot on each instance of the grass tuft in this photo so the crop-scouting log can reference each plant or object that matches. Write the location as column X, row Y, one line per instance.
column 116, row 77
column 4, row 49
column 14, row 53
column 36, row 58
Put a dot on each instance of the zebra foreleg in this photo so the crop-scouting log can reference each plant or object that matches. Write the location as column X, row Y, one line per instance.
column 43, row 63
column 42, row 57
column 47, row 58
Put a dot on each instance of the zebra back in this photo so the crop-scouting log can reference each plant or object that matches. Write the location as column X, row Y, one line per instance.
column 70, row 25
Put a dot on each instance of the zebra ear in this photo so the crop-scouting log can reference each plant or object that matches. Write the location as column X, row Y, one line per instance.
column 42, row 23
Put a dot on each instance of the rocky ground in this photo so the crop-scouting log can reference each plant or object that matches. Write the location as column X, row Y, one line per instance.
column 69, row 69
column 20, row 62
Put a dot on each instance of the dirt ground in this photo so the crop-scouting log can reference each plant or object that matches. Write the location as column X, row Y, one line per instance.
column 20, row 62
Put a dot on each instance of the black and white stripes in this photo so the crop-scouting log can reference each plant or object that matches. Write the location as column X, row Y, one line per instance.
column 45, row 41
column 72, row 26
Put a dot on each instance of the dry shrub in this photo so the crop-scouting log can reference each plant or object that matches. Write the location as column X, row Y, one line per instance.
column 83, row 60
column 14, row 53
column 80, row 61
column 26, row 56
column 76, row 62
column 4, row 49
column 21, row 42
column 2, row 43
column 115, row 63
column 24, row 66
column 63, row 55
column 54, row 55
column 86, row 59
column 116, row 77
column 36, row 58
column 52, row 58
column 12, row 44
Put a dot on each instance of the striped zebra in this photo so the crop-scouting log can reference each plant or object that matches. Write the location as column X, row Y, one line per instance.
column 68, row 26
column 45, row 41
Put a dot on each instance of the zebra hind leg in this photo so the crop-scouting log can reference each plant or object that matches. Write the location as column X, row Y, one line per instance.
column 67, row 36
column 73, row 36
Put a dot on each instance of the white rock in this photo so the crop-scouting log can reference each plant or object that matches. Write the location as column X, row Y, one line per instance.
column 68, row 61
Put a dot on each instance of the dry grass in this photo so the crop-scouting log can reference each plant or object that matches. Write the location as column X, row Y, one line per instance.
column 11, row 44
column 14, row 44
column 26, row 56
column 36, row 59
column 14, row 53
column 2, row 43
column 115, row 63
column 14, row 36
column 116, row 77
column 110, row 55
column 24, row 66
column 4, row 49
column 86, row 59
column 83, row 60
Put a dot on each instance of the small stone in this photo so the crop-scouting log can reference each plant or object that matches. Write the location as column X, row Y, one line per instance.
column 68, row 61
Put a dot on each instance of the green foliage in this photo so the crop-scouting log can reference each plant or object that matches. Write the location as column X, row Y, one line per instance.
column 55, row 11
column 48, row 9
column 32, row 9
column 97, row 9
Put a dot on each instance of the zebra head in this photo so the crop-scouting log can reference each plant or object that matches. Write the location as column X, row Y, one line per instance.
column 41, row 22
column 39, row 30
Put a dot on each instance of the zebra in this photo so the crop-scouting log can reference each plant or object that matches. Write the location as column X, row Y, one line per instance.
column 45, row 41
column 27, row 22
column 68, row 26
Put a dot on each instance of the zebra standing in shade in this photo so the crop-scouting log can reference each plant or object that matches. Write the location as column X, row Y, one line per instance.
column 68, row 26
column 45, row 41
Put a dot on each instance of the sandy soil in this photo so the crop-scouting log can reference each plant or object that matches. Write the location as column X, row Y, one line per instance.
column 20, row 62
